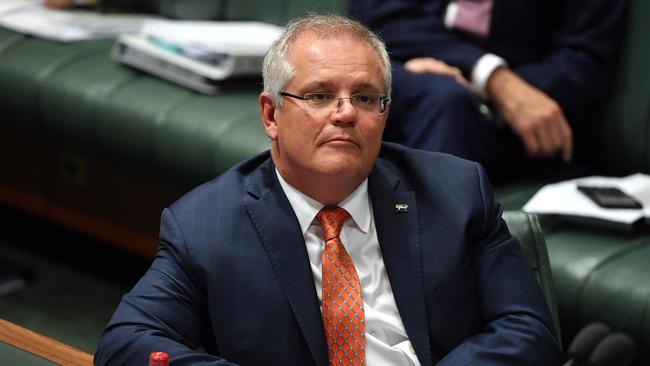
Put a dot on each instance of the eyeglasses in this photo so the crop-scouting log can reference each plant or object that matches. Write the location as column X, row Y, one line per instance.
column 363, row 102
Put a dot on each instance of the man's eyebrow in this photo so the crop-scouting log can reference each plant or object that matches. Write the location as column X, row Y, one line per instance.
column 369, row 86
column 329, row 85
column 318, row 84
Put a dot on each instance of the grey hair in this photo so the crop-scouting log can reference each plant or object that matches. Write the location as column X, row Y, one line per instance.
column 277, row 71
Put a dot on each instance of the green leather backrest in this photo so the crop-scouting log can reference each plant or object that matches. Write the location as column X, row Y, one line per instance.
column 601, row 276
column 277, row 12
column 625, row 133
column 525, row 227
column 190, row 9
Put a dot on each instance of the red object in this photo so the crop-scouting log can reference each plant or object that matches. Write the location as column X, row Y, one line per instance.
column 158, row 359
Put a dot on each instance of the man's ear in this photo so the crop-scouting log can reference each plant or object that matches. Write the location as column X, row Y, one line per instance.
column 387, row 110
column 267, row 113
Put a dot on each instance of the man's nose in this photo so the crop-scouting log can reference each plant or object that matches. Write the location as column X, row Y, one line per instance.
column 345, row 111
column 345, row 103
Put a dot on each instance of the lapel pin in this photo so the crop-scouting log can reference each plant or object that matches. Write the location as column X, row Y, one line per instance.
column 401, row 207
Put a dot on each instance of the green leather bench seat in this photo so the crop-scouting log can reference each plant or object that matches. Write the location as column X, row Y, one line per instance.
column 602, row 276
column 83, row 136
column 527, row 229
column 128, row 116
column 8, row 38
column 27, row 64
column 599, row 274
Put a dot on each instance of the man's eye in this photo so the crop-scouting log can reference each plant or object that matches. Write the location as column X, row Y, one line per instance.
column 365, row 99
column 320, row 97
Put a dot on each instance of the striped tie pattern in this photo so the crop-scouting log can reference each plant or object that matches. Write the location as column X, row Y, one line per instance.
column 342, row 307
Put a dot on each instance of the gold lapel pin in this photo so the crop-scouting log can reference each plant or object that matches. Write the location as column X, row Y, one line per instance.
column 401, row 207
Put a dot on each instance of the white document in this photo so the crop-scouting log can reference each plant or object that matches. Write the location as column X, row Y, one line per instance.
column 136, row 51
column 67, row 25
column 563, row 198
column 234, row 38
column 7, row 6
column 197, row 54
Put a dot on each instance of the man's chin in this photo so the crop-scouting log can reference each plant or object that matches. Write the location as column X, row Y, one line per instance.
column 342, row 167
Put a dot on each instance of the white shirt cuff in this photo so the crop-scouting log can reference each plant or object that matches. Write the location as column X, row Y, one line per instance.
column 482, row 71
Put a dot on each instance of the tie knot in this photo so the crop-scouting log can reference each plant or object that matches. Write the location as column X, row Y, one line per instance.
column 331, row 219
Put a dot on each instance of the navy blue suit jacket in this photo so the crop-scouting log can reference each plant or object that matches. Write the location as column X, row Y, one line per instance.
column 566, row 48
column 232, row 275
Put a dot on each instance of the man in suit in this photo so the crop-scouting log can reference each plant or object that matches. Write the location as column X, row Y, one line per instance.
column 503, row 82
column 334, row 248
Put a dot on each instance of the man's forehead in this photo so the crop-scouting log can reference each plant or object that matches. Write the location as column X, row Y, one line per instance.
column 309, row 44
column 306, row 54
column 325, row 33
column 326, row 84
column 310, row 36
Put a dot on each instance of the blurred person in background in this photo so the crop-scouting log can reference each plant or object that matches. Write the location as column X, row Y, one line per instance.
column 512, row 84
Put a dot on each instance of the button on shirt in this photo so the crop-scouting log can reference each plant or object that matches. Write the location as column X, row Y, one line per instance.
column 386, row 339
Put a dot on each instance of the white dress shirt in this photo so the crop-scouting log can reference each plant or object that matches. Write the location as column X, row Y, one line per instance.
column 386, row 339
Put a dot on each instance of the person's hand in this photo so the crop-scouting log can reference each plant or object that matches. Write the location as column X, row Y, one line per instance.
column 58, row 4
column 532, row 114
column 421, row 65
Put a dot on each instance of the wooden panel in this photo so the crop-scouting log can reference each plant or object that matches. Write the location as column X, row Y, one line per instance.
column 23, row 160
column 80, row 190
column 104, row 199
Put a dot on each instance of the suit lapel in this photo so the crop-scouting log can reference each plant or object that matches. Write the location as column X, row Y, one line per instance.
column 279, row 231
column 399, row 239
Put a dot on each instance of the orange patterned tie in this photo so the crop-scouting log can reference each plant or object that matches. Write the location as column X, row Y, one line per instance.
column 342, row 308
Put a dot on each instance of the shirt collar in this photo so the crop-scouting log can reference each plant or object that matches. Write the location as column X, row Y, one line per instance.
column 306, row 208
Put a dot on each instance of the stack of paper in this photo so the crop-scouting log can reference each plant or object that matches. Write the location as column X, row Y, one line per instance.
column 10, row 5
column 64, row 25
column 201, row 37
column 197, row 54
column 563, row 198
